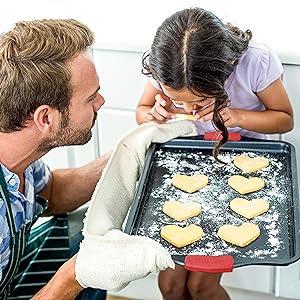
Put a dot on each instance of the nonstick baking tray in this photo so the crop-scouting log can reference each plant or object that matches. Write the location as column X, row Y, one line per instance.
column 279, row 241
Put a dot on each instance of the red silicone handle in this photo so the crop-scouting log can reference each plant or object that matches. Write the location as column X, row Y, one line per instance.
column 209, row 264
column 217, row 136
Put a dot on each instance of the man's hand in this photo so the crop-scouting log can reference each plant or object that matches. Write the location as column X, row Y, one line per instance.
column 62, row 286
column 112, row 261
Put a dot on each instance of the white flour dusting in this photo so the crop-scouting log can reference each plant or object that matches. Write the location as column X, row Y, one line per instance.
column 214, row 199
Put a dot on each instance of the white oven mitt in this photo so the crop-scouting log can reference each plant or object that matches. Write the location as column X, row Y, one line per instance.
column 112, row 261
column 127, row 257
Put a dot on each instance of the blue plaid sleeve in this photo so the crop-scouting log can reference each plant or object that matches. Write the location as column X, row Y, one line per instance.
column 41, row 174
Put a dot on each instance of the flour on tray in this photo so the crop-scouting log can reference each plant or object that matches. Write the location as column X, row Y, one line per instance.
column 214, row 199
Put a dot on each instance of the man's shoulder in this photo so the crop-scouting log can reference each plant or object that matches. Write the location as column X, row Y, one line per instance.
column 38, row 165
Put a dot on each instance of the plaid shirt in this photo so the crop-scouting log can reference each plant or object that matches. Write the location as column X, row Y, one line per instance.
column 37, row 176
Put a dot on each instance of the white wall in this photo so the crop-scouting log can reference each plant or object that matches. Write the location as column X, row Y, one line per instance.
column 125, row 23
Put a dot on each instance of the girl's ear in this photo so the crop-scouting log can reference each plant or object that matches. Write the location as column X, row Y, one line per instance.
column 45, row 118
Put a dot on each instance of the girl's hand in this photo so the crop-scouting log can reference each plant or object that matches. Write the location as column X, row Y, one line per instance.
column 231, row 117
column 162, row 110
column 205, row 113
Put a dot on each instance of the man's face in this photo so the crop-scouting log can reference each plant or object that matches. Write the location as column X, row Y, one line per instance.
column 76, row 124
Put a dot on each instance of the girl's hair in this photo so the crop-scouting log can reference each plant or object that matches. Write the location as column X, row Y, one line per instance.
column 33, row 70
column 193, row 49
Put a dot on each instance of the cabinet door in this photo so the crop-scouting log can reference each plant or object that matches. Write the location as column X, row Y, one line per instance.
column 121, row 79
column 258, row 279
column 261, row 279
column 113, row 124
column 57, row 158
column 288, row 281
column 292, row 83
column 288, row 278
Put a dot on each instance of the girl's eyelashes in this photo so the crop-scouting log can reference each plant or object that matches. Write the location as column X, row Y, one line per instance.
column 201, row 101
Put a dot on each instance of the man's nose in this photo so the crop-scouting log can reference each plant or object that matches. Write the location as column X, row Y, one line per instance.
column 98, row 103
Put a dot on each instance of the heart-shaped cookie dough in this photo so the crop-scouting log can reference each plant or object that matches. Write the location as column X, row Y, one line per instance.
column 180, row 237
column 250, row 164
column 239, row 235
column 249, row 209
column 181, row 211
column 245, row 185
column 190, row 184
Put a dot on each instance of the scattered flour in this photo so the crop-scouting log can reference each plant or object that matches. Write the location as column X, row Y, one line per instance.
column 214, row 199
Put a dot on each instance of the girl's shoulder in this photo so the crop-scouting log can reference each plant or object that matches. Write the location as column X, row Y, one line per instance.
column 259, row 55
column 258, row 47
column 260, row 65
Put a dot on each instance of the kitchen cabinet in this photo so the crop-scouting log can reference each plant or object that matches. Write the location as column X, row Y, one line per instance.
column 291, row 80
column 121, row 84
column 118, row 122
column 287, row 279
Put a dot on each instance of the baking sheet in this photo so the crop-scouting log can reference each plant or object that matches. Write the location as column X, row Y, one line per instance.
column 278, row 243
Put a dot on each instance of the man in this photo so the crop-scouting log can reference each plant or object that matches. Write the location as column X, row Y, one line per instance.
column 49, row 97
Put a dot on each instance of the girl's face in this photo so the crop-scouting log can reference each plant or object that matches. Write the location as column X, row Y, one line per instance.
column 185, row 99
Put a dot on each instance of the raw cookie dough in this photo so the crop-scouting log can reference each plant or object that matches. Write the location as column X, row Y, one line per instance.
column 190, row 184
column 249, row 209
column 180, row 237
column 245, row 185
column 181, row 211
column 239, row 235
column 250, row 164
column 186, row 117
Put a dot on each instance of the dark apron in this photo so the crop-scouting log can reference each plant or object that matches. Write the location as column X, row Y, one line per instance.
column 32, row 263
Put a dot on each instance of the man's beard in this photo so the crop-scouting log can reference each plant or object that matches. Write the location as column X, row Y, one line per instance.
column 68, row 135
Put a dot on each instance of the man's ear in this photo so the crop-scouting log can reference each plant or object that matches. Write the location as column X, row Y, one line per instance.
column 45, row 117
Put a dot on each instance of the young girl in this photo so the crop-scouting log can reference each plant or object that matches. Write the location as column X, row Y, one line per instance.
column 202, row 67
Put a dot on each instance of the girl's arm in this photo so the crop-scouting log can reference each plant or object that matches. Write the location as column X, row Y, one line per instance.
column 153, row 106
column 277, row 118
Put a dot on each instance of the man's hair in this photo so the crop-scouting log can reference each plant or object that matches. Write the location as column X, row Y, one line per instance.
column 33, row 72
column 193, row 49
